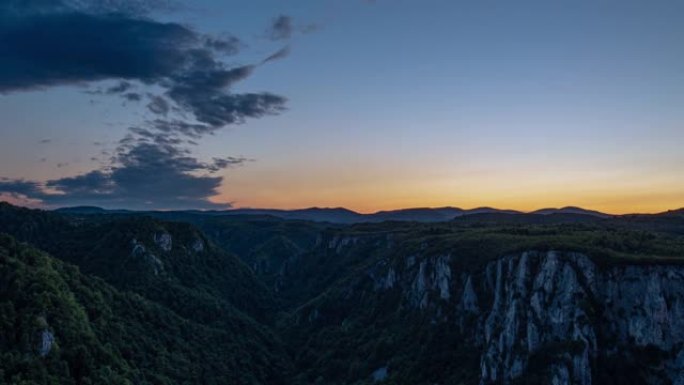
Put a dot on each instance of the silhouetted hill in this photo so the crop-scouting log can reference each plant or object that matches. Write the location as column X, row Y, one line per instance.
column 423, row 214
column 570, row 210
column 673, row 213
column 86, row 210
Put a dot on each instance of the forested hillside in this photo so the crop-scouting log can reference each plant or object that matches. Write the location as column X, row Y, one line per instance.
column 188, row 298
column 59, row 326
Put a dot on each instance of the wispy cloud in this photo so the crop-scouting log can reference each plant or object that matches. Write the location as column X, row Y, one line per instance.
column 281, row 28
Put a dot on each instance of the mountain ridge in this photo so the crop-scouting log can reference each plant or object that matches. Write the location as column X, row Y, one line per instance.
column 392, row 302
column 343, row 215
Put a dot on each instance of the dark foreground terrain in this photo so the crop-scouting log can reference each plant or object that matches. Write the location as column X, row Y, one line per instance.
column 94, row 297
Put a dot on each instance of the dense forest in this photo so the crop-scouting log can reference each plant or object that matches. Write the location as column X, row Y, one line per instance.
column 186, row 298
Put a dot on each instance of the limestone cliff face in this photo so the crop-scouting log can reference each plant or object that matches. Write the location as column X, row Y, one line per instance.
column 554, row 315
column 46, row 341
column 564, row 306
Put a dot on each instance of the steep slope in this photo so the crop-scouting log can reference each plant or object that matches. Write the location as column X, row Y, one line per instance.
column 491, row 298
column 495, row 305
column 60, row 326
column 168, row 262
column 268, row 245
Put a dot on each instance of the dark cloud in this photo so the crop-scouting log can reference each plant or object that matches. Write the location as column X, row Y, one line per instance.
column 229, row 45
column 48, row 43
column 158, row 105
column 20, row 187
column 45, row 141
column 202, row 91
column 281, row 28
column 132, row 96
column 218, row 109
column 47, row 49
column 191, row 130
column 148, row 171
column 131, row 7
column 284, row 28
column 218, row 164
column 120, row 88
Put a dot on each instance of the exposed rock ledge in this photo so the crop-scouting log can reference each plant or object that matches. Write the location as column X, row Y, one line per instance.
column 546, row 300
column 554, row 315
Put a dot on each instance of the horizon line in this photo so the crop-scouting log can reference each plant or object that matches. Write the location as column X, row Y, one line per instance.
column 317, row 207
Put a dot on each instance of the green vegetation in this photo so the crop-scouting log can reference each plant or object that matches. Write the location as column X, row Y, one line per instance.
column 208, row 285
column 103, row 336
column 260, row 300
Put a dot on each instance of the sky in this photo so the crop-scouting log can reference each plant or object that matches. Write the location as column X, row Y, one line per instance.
column 369, row 105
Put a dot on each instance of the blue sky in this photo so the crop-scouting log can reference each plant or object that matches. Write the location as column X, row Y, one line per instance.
column 405, row 103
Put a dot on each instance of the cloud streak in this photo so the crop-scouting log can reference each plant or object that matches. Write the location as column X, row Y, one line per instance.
column 279, row 54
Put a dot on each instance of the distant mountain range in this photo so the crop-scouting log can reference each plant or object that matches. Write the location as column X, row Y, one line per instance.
column 342, row 215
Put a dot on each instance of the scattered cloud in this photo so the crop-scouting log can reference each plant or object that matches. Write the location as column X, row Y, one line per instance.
column 132, row 96
column 218, row 164
column 281, row 28
column 20, row 187
column 50, row 43
column 181, row 73
column 229, row 45
column 120, row 88
column 311, row 28
column 191, row 130
column 148, row 171
column 158, row 105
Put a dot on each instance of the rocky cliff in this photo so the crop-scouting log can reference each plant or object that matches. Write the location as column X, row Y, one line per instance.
column 534, row 317
column 558, row 317
column 562, row 311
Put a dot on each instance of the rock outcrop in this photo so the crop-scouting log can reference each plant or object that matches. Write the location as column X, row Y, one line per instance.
column 557, row 316
column 562, row 305
column 164, row 241
column 46, row 341
column 138, row 250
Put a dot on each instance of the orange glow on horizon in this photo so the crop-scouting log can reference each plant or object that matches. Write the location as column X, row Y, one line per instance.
column 380, row 187
column 371, row 208
column 643, row 203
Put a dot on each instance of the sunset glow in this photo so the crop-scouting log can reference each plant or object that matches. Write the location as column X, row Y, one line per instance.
column 366, row 105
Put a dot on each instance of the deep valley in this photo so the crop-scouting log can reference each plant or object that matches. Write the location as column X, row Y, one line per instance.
column 192, row 297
